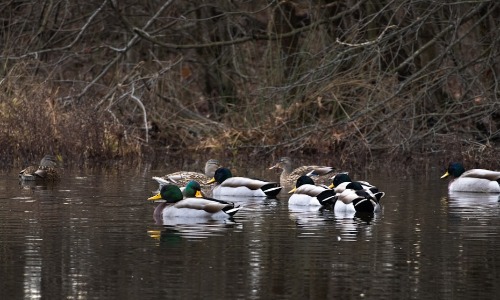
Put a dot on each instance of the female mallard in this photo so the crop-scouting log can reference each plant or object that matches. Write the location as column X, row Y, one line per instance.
column 181, row 178
column 289, row 175
column 227, row 185
column 173, row 205
column 356, row 199
column 474, row 180
column 46, row 171
column 306, row 193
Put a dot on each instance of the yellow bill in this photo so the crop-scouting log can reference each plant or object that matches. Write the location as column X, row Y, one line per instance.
column 445, row 174
column 155, row 197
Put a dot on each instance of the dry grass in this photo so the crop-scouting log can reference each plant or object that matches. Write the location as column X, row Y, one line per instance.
column 353, row 85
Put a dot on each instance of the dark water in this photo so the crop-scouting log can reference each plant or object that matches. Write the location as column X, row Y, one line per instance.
column 93, row 237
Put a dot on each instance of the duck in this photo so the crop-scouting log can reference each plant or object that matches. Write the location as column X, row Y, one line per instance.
column 340, row 182
column 181, row 178
column 193, row 189
column 45, row 171
column 474, row 180
column 289, row 175
column 307, row 193
column 227, row 185
column 173, row 204
column 356, row 199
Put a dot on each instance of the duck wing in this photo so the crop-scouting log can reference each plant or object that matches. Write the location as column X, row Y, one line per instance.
column 482, row 173
column 206, row 205
column 310, row 190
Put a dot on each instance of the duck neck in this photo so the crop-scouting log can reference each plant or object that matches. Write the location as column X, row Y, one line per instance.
column 287, row 169
column 158, row 210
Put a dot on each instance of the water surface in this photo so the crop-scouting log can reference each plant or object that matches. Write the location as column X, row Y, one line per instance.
column 93, row 237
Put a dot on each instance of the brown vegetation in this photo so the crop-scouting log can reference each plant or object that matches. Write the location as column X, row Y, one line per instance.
column 355, row 81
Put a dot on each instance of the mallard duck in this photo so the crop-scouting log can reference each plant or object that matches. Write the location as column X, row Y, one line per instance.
column 227, row 185
column 306, row 192
column 192, row 189
column 289, row 175
column 340, row 182
column 173, row 205
column 474, row 180
column 46, row 171
column 356, row 199
column 181, row 178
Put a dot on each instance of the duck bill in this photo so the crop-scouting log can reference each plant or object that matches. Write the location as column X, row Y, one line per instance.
column 155, row 197
column 331, row 186
column 198, row 194
column 274, row 167
column 292, row 190
column 211, row 180
column 445, row 175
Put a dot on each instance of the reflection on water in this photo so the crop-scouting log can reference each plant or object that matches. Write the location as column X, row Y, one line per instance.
column 93, row 236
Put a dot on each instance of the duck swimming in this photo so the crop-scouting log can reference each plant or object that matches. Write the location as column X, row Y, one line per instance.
column 227, row 185
column 173, row 205
column 356, row 199
column 474, row 180
column 306, row 193
column 46, row 171
column 289, row 175
column 340, row 182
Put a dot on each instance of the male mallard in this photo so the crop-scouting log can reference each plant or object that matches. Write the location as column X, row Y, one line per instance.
column 227, row 185
column 356, row 199
column 306, row 192
column 46, row 171
column 173, row 204
column 474, row 180
column 289, row 175
column 192, row 189
column 340, row 182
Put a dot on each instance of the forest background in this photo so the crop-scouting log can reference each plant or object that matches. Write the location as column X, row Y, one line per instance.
column 348, row 83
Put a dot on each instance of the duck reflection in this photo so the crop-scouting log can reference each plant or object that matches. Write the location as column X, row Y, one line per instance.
column 308, row 216
column 36, row 185
column 191, row 229
column 472, row 204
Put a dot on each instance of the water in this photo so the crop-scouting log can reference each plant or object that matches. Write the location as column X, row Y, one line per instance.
column 93, row 237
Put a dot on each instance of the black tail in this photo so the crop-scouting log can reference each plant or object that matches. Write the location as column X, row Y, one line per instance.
column 231, row 210
column 271, row 189
column 327, row 197
column 379, row 196
column 364, row 205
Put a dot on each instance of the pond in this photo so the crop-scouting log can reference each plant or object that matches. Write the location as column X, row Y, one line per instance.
column 92, row 236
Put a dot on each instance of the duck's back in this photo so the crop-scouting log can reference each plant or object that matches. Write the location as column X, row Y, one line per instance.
column 473, row 184
column 481, row 174
column 246, row 187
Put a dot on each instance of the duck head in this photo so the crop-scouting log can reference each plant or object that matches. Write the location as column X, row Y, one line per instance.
column 211, row 166
column 339, row 178
column 220, row 175
column 169, row 192
column 50, row 161
column 284, row 163
column 192, row 189
column 455, row 169
column 301, row 181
